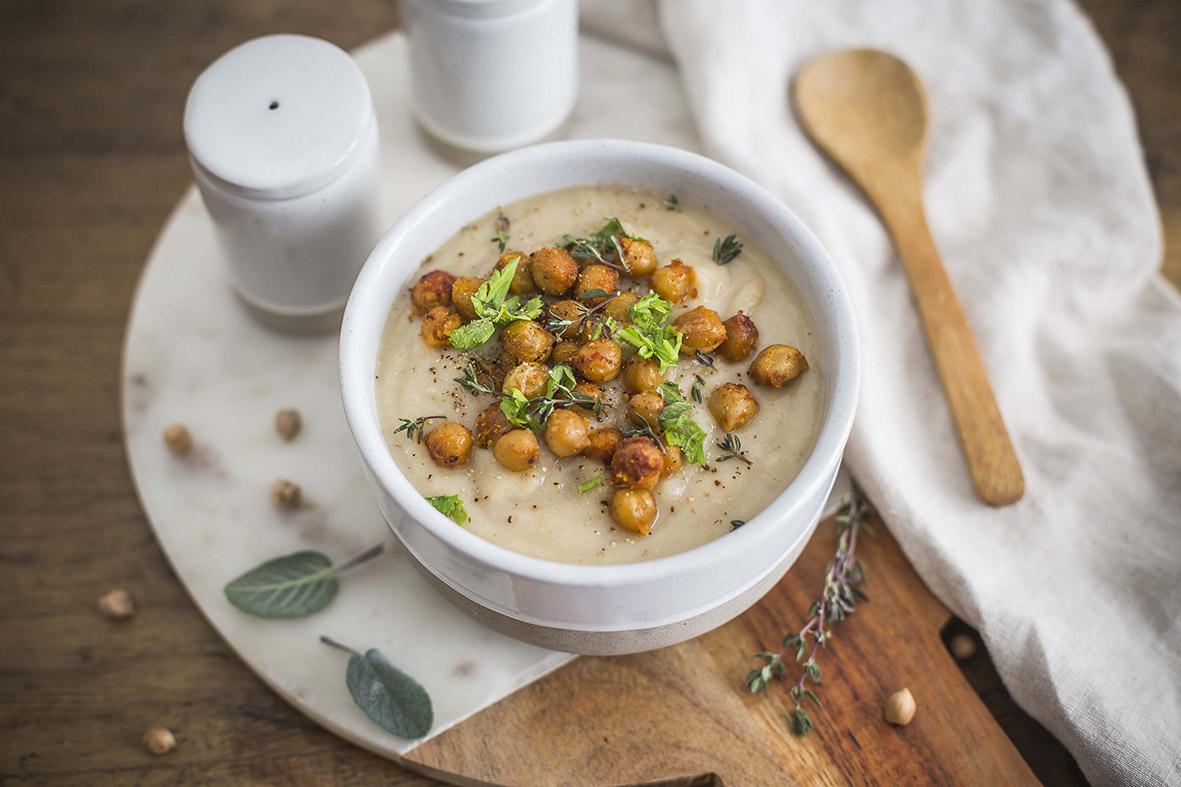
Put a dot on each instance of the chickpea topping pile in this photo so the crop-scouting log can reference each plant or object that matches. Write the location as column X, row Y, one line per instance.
column 587, row 333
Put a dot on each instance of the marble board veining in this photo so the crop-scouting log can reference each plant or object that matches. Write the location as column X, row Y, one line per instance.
column 194, row 355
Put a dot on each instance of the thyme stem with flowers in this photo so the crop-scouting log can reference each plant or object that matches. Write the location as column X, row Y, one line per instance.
column 841, row 593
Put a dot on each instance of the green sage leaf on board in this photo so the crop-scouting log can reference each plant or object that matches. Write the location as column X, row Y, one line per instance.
column 395, row 701
column 292, row 586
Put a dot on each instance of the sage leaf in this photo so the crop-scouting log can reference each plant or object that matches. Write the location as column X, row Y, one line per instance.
column 292, row 586
column 395, row 701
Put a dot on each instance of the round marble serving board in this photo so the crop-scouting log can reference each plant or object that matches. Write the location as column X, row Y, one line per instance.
column 194, row 355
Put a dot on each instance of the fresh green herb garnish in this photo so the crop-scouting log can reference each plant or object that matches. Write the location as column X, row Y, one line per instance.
column 733, row 449
column 494, row 307
column 515, row 406
column 526, row 413
column 672, row 203
column 502, row 228
column 737, row 523
column 600, row 243
column 698, row 385
column 726, row 249
column 449, row 505
column 595, row 293
column 414, row 429
column 650, row 332
column 678, row 427
column 591, row 484
column 704, row 359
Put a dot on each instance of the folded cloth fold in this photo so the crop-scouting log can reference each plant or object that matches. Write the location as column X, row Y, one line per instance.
column 1038, row 198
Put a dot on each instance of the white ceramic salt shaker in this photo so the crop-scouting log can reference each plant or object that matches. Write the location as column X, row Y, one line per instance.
column 491, row 75
column 283, row 141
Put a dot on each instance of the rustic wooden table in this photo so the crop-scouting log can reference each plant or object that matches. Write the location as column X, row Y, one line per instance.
column 91, row 161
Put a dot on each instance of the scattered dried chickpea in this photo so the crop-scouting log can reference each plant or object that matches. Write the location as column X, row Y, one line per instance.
column 603, row 442
column 461, row 297
column 449, row 444
column 633, row 509
column 525, row 340
column 637, row 463
column 701, row 329
column 777, row 364
column 554, row 270
column 438, row 325
column 598, row 360
column 672, row 282
column 178, row 439
column 522, row 283
column 733, row 406
column 563, row 352
column 741, row 338
column 638, row 257
column 116, row 605
column 565, row 433
column 567, row 310
column 674, row 460
column 641, row 374
column 517, row 451
column 159, row 740
column 962, row 647
column 529, row 378
column 645, row 408
column 899, row 708
column 619, row 307
column 596, row 277
column 286, row 494
column 288, row 423
column 431, row 291
column 491, row 425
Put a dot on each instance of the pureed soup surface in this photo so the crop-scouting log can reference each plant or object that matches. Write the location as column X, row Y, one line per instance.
column 541, row 512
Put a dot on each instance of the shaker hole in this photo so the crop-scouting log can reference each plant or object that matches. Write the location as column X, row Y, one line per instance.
column 274, row 105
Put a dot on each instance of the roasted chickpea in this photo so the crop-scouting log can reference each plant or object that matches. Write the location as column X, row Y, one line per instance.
column 603, row 443
column 637, row 463
column 563, row 352
column 449, row 444
column 461, row 297
column 777, row 364
column 433, row 289
column 588, row 389
column 529, row 378
column 619, row 307
column 645, row 408
column 733, row 406
column 523, row 277
column 567, row 310
column 672, row 282
column 493, row 374
column 554, row 270
column 517, row 451
column 596, row 277
column 741, row 338
column 438, row 325
column 633, row 509
column 598, row 360
column 638, row 257
column 701, row 329
column 674, row 460
column 525, row 340
column 565, row 433
column 491, row 425
column 641, row 374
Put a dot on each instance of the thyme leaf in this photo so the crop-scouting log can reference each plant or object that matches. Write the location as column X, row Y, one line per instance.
column 726, row 249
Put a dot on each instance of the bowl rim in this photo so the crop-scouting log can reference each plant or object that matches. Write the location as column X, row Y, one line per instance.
column 358, row 390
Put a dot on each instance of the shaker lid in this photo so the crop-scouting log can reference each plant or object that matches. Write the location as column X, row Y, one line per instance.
column 278, row 116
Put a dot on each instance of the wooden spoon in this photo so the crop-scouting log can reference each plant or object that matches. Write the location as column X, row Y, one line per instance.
column 868, row 110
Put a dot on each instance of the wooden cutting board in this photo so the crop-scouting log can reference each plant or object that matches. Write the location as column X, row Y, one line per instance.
column 683, row 713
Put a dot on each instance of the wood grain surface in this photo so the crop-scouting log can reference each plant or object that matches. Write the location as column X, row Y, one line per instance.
column 91, row 162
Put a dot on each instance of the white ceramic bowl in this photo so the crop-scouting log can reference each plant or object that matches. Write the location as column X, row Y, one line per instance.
column 618, row 608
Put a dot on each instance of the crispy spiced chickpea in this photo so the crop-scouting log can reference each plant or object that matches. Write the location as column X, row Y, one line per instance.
column 491, row 425
column 777, row 365
column 741, row 338
column 461, row 296
column 433, row 289
column 637, row 463
column 672, row 282
column 438, row 325
column 633, row 509
column 619, row 307
column 674, row 460
column 603, row 442
column 588, row 389
column 641, row 374
column 563, row 352
column 529, row 378
column 596, row 277
column 733, row 406
column 645, row 408
column 638, row 257
column 701, row 329
column 523, row 277
column 517, row 451
column 598, row 360
column 565, row 433
column 567, row 310
column 449, row 444
column 554, row 270
column 525, row 340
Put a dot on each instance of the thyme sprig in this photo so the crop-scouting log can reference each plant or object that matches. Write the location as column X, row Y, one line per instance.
column 532, row 413
column 502, row 227
column 841, row 593
column 732, row 446
column 704, row 359
column 558, row 325
column 726, row 249
column 414, row 429
column 672, row 203
column 696, row 388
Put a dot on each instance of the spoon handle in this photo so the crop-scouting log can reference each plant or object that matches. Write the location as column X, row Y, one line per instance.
column 992, row 460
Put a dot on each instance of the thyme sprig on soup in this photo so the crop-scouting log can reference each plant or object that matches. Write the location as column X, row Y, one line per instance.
column 597, row 372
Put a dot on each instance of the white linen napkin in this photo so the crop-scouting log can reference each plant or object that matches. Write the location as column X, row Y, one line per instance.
column 1039, row 201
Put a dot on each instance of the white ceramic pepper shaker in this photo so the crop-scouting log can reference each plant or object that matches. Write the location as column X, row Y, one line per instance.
column 283, row 141
column 490, row 75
